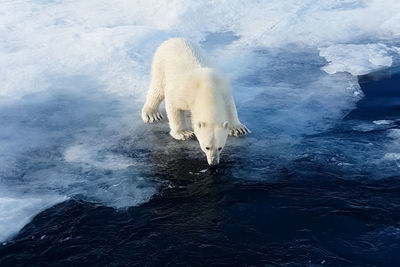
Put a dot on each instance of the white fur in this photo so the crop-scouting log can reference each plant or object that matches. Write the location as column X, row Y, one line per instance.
column 185, row 77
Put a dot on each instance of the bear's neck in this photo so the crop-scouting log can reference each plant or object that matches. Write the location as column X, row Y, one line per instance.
column 209, row 107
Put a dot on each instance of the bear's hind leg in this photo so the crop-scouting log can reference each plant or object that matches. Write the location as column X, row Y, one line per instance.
column 178, row 124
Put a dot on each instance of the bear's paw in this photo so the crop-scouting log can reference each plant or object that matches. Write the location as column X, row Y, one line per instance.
column 238, row 130
column 182, row 135
column 151, row 115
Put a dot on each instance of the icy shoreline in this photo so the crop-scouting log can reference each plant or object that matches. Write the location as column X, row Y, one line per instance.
column 74, row 76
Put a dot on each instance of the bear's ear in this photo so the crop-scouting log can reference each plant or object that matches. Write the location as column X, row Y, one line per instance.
column 225, row 125
column 201, row 124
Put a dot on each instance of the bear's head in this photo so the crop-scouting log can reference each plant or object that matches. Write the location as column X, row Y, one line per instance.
column 212, row 139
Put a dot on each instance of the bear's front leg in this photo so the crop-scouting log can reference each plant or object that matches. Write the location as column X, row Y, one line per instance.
column 235, row 127
column 178, row 125
column 155, row 96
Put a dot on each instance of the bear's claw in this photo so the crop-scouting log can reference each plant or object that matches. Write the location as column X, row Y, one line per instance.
column 182, row 135
column 239, row 130
column 150, row 116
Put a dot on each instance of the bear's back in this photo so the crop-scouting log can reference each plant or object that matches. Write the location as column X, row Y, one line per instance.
column 178, row 56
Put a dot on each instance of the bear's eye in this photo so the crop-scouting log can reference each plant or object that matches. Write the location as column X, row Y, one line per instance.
column 219, row 148
column 208, row 148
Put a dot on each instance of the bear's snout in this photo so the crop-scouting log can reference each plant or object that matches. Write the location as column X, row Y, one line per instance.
column 213, row 160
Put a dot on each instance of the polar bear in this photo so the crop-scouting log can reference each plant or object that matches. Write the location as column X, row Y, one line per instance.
column 183, row 75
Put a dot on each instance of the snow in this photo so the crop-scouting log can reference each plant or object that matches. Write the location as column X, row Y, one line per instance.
column 393, row 146
column 357, row 59
column 18, row 211
column 383, row 122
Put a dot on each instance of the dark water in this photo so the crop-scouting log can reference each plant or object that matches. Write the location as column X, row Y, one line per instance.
column 382, row 96
column 212, row 221
column 302, row 213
